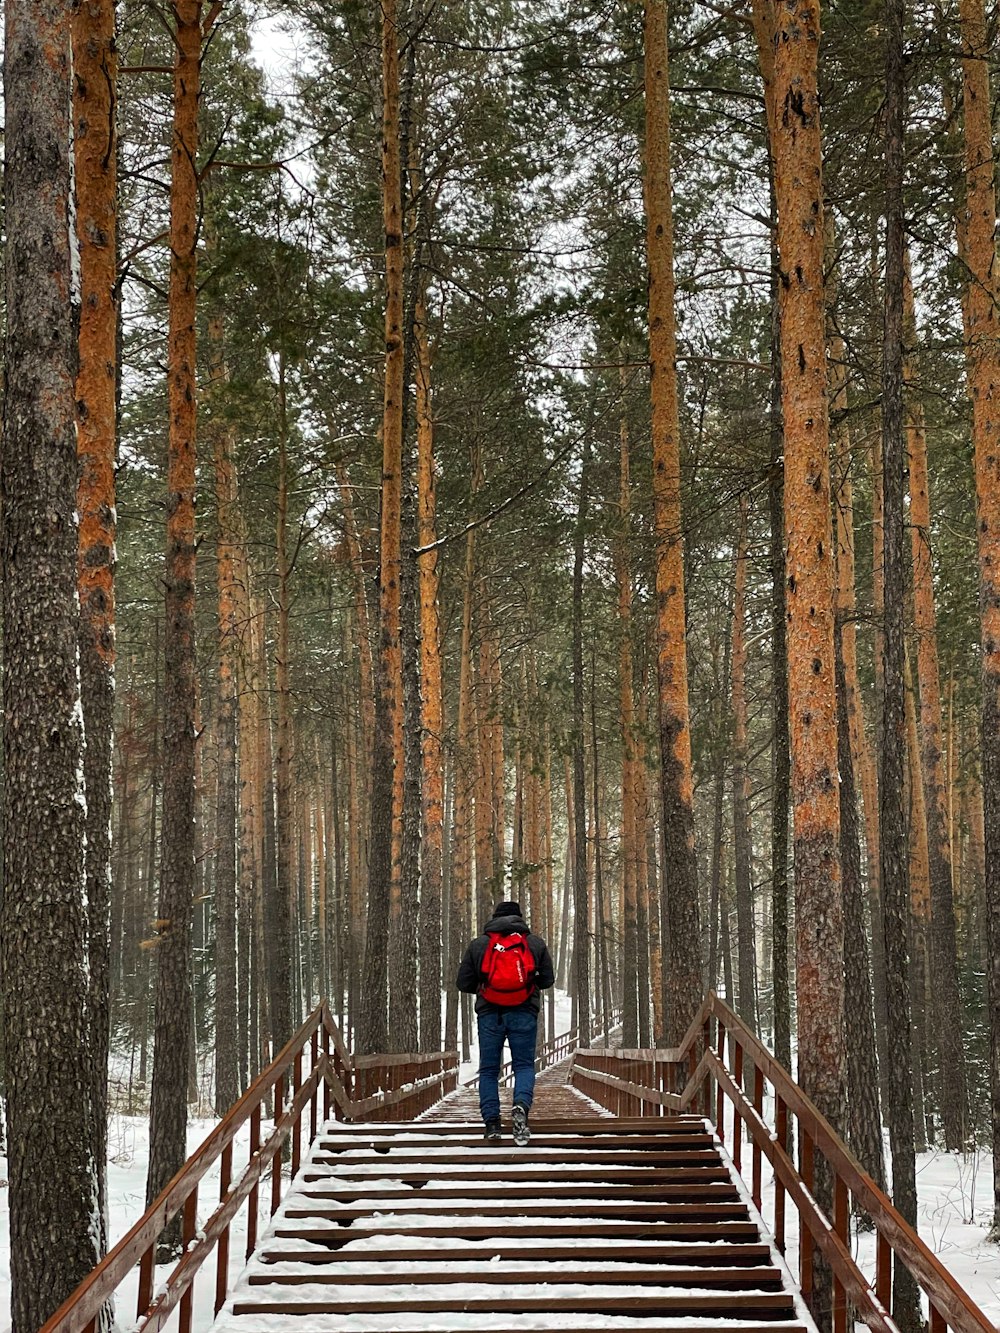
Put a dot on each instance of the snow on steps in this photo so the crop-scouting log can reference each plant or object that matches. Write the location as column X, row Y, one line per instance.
column 599, row 1224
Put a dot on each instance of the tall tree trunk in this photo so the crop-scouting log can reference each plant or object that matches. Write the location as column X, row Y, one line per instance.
column 581, row 899
column 462, row 828
column 892, row 742
column 943, row 948
column 864, row 1121
column 683, row 973
column 227, row 1081
column 983, row 376
column 865, row 1124
column 919, row 924
column 172, row 1041
column 631, row 847
column 403, row 974
column 809, row 561
column 385, row 784
column 95, row 92
column 764, row 25
column 745, row 942
column 283, row 1009
column 55, row 1223
column 432, row 720
column 819, row 933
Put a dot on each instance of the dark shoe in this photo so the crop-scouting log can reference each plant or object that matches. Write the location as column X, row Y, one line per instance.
column 492, row 1131
column 522, row 1134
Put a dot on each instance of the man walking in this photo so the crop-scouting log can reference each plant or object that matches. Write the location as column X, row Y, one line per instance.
column 505, row 968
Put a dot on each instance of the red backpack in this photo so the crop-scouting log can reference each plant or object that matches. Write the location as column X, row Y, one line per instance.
column 508, row 969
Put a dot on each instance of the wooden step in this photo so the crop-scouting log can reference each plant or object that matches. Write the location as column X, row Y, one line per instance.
column 550, row 1229
column 604, row 1125
column 507, row 1155
column 538, row 1323
column 504, row 1210
column 750, row 1255
column 736, row 1279
column 723, row 1192
column 734, row 1305
column 602, row 1142
column 528, row 1170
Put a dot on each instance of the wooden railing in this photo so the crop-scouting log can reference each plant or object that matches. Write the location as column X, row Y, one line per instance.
column 555, row 1049
column 311, row 1080
column 708, row 1075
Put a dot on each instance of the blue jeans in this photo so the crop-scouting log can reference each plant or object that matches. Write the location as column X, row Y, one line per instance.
column 518, row 1027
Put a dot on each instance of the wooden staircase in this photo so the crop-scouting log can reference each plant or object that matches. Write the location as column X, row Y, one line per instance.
column 600, row 1223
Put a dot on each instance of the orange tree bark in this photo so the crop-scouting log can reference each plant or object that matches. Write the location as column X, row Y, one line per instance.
column 809, row 559
column 168, row 1102
column 432, row 701
column 763, row 20
column 865, row 1123
column 227, row 1044
column 982, row 341
column 892, row 739
column 682, row 972
column 95, row 76
column 947, row 1005
column 54, row 1227
column 385, row 784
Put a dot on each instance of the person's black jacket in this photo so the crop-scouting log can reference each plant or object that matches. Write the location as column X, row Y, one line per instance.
column 470, row 971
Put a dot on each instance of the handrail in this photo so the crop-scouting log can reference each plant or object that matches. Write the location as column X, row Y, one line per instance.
column 700, row 1066
column 386, row 1083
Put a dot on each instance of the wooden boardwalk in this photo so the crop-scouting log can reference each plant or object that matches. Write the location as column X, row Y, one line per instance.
column 601, row 1223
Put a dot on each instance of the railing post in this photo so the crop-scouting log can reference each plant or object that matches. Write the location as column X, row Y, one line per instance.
column 840, row 1226
column 253, row 1201
column 297, row 1123
column 883, row 1272
column 781, row 1128
column 737, row 1117
column 720, row 1094
column 279, row 1097
column 805, row 1239
column 189, row 1226
column 706, row 1046
column 222, row 1252
column 314, row 1099
column 938, row 1323
column 145, row 1296
column 758, row 1106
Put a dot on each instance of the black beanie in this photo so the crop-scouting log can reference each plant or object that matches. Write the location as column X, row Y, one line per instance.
column 507, row 909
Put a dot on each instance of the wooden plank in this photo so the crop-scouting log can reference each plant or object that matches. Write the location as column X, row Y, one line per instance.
column 754, row 1279
column 650, row 1325
column 507, row 1156
column 751, row 1255
column 735, row 1305
column 697, row 1175
column 665, row 1144
column 724, row 1193
column 553, row 1228
column 605, row 1125
column 505, row 1210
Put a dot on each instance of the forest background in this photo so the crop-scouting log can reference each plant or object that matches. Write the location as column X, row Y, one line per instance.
column 539, row 651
